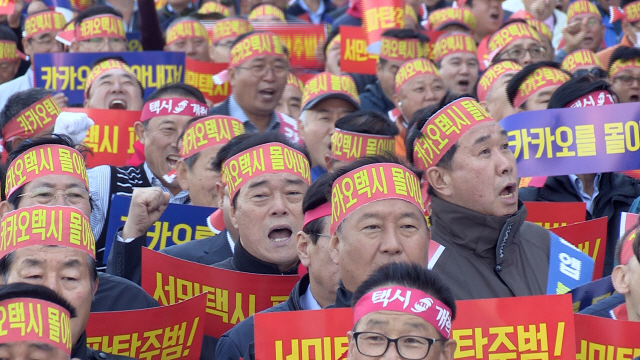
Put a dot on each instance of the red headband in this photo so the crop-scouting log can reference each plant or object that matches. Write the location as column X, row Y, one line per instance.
column 414, row 68
column 229, row 28
column 295, row 82
column 445, row 128
column 631, row 13
column 46, row 225
column 595, row 98
column 351, row 146
column 402, row 49
column 408, row 301
column 173, row 106
column 52, row 323
column 103, row 67
column 9, row 51
column 208, row 132
column 440, row 18
column 254, row 45
column 507, row 35
column 32, row 121
column 43, row 22
column 327, row 83
column 452, row 44
column 492, row 74
column 101, row 26
column 620, row 65
column 213, row 7
column 266, row 10
column 578, row 58
column 582, row 7
column 317, row 213
column 627, row 247
column 186, row 30
column 541, row 78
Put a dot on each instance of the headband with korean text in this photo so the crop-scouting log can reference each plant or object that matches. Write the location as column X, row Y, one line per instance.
column 402, row 49
column 9, row 51
column 213, row 7
column 100, row 26
column 366, row 184
column 103, row 67
column 444, row 128
column 408, row 301
column 626, row 254
column 452, row 44
column 630, row 13
column 46, row 21
column 210, row 131
column 269, row 158
column 579, row 58
column 45, row 160
column 33, row 120
column 507, row 35
column 414, row 68
column 35, row 320
column 173, row 106
column 46, row 225
column 595, row 98
column 449, row 16
column 187, row 29
column 492, row 74
column 266, row 10
column 542, row 28
column 295, row 82
column 541, row 78
column 229, row 29
column 254, row 45
column 351, row 146
column 336, row 40
column 582, row 7
column 317, row 213
column 328, row 83
column 620, row 65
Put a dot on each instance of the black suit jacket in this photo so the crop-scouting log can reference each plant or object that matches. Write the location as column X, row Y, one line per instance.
column 206, row 251
column 222, row 109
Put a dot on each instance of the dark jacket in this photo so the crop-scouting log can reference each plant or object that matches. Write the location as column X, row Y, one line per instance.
column 373, row 99
column 604, row 307
column 117, row 294
column 489, row 256
column 343, row 298
column 222, row 109
column 298, row 12
column 245, row 262
column 616, row 193
column 234, row 344
column 81, row 351
column 166, row 16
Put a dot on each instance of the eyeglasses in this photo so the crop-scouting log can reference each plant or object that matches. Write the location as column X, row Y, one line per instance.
column 279, row 71
column 536, row 52
column 409, row 347
column 98, row 42
column 45, row 196
column 627, row 80
column 226, row 44
column 590, row 23
column 596, row 72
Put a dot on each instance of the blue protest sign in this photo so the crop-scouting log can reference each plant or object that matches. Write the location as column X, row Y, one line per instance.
column 67, row 72
column 133, row 41
column 583, row 140
column 177, row 225
column 590, row 293
column 568, row 266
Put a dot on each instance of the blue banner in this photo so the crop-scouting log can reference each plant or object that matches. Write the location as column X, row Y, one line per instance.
column 590, row 293
column 583, row 140
column 177, row 225
column 568, row 267
column 67, row 72
column 133, row 41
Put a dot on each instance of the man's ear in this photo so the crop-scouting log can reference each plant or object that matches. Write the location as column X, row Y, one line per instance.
column 395, row 99
column 182, row 176
column 483, row 103
column 334, row 244
column 328, row 163
column 438, row 178
column 620, row 279
column 17, row 142
column 5, row 207
column 232, row 214
column 138, row 128
column 220, row 191
column 303, row 241
column 448, row 349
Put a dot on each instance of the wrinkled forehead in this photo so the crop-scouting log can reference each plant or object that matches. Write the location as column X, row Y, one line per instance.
column 275, row 182
column 522, row 44
column 54, row 181
column 49, row 256
column 115, row 74
column 481, row 134
column 30, row 350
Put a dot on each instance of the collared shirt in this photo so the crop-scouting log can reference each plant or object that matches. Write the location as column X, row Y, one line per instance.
column 577, row 184
column 236, row 111
column 308, row 302
column 315, row 17
column 128, row 27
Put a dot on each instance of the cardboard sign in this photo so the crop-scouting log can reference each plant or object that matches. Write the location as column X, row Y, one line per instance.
column 326, row 339
column 584, row 140
column 199, row 74
column 554, row 214
column 600, row 338
column 178, row 224
column 354, row 57
column 590, row 237
column 304, row 42
column 232, row 295
column 167, row 332
column 67, row 72
column 379, row 16
column 627, row 222
column 590, row 293
column 111, row 138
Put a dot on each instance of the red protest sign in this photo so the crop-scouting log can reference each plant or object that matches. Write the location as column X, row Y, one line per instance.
column 232, row 295
column 167, row 332
column 326, row 339
column 590, row 237
column 531, row 327
column 354, row 57
column 554, row 214
column 199, row 74
column 304, row 42
column 379, row 16
column 7, row 7
column 600, row 338
column 627, row 222
column 111, row 138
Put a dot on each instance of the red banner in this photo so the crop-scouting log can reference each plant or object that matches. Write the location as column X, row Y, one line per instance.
column 304, row 42
column 554, row 214
column 354, row 57
column 199, row 74
column 7, row 7
column 111, row 138
column 600, row 338
column 232, row 295
column 167, row 332
column 590, row 237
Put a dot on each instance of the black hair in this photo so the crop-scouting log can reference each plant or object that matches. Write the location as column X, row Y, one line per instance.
column 576, row 88
column 8, row 34
column 623, row 53
column 316, row 196
column 39, row 292
column 522, row 75
column 94, row 11
column 367, row 122
column 409, row 275
column 404, row 34
column 19, row 102
column 119, row 58
column 224, row 152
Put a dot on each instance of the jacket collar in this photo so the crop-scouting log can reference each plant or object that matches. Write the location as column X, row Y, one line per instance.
column 245, row 262
column 343, row 297
column 80, row 350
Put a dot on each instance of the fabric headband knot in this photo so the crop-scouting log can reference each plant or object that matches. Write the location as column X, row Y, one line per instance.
column 453, row 44
column 414, row 68
column 595, row 98
column 103, row 67
column 52, row 323
column 46, row 225
column 579, row 58
column 492, row 74
column 9, row 51
column 620, row 65
column 173, row 106
column 402, row 49
column 229, row 28
column 43, row 22
column 317, row 213
column 630, row 13
column 213, row 7
column 187, row 29
column 350, row 146
column 582, row 7
column 32, row 121
column 100, row 26
column 541, row 78
column 254, row 45
column 45, row 160
column 441, row 18
column 208, row 132
column 266, row 10
column 366, row 184
column 507, row 35
column 445, row 128
column 269, row 158
column 408, row 301
column 327, row 83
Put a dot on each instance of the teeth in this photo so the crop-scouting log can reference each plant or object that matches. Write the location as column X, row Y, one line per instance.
column 279, row 240
column 507, row 196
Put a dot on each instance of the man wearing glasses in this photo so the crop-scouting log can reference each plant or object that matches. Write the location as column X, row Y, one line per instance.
column 524, row 47
column 584, row 29
column 402, row 304
column 584, row 63
column 99, row 29
column 624, row 72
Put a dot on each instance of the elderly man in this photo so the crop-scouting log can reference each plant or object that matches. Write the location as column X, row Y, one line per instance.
column 584, row 62
column 516, row 41
column 291, row 100
column 489, row 15
column 223, row 35
column 492, row 88
column 456, row 58
column 326, row 98
column 111, row 84
column 487, row 248
column 452, row 20
column 99, row 29
column 584, row 29
column 624, row 73
column 189, row 36
column 417, row 335
column 531, row 88
column 626, row 277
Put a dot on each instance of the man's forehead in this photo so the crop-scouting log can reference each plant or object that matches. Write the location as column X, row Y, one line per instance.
column 274, row 181
column 175, row 120
column 45, row 254
column 482, row 133
column 391, row 319
column 333, row 104
column 52, row 181
column 523, row 43
column 268, row 59
column 115, row 73
column 423, row 79
column 460, row 57
column 384, row 208
column 631, row 71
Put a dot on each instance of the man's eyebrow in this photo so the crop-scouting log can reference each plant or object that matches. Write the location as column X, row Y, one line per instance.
column 72, row 263
column 296, row 98
column 481, row 139
column 30, row 262
column 257, row 184
column 294, row 181
column 41, row 346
